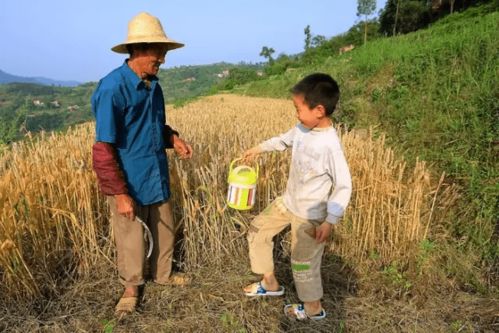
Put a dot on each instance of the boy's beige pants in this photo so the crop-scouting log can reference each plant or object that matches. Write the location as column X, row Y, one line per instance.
column 306, row 253
column 130, row 243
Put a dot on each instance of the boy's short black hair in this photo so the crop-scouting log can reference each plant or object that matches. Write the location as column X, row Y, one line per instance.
column 318, row 89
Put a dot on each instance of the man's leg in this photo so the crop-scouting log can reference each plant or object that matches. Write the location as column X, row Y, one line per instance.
column 128, row 236
column 163, row 232
column 261, row 232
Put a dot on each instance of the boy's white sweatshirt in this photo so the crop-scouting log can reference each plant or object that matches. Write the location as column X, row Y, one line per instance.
column 319, row 184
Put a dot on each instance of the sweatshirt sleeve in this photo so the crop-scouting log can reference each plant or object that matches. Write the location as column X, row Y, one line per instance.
column 280, row 142
column 106, row 168
column 168, row 134
column 342, row 186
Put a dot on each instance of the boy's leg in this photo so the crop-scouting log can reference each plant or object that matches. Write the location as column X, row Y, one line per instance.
column 260, row 239
column 306, row 258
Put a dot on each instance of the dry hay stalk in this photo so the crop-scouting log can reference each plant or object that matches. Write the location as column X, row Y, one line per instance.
column 49, row 209
column 391, row 205
column 50, row 206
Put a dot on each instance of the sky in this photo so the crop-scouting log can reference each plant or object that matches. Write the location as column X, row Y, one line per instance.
column 71, row 39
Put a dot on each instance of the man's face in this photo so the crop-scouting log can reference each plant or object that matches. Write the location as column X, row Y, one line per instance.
column 149, row 60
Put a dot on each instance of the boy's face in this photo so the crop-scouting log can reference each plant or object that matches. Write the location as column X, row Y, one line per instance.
column 309, row 118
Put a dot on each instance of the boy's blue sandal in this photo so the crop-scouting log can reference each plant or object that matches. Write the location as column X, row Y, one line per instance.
column 258, row 290
column 297, row 311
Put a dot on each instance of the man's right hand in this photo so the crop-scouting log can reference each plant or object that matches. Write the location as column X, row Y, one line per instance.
column 125, row 205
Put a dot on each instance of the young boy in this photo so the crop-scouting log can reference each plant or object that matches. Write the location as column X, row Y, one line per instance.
column 317, row 193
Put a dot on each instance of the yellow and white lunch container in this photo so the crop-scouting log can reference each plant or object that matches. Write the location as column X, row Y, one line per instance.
column 242, row 186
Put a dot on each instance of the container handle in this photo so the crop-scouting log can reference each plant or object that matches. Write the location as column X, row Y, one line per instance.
column 231, row 167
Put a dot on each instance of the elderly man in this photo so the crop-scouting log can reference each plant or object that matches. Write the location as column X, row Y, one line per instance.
column 129, row 156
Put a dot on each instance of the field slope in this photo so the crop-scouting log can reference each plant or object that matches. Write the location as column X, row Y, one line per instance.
column 380, row 270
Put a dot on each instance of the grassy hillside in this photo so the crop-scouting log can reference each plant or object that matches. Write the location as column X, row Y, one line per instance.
column 434, row 92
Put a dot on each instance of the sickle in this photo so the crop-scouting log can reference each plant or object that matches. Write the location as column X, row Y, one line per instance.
column 147, row 234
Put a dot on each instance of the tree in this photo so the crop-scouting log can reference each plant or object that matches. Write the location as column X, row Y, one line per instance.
column 318, row 40
column 10, row 126
column 451, row 2
column 308, row 37
column 396, row 18
column 311, row 40
column 267, row 53
column 366, row 8
column 403, row 16
column 355, row 35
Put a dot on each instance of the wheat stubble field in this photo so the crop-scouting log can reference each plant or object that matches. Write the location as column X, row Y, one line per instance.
column 56, row 251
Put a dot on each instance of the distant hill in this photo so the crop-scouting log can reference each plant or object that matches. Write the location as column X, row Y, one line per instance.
column 34, row 104
column 9, row 78
column 187, row 82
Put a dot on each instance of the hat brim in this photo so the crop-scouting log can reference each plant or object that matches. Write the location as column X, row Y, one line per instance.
column 171, row 45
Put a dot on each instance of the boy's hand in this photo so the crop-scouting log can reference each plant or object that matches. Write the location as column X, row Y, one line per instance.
column 323, row 232
column 251, row 153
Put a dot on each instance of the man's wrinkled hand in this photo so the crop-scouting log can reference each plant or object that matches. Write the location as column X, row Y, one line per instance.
column 125, row 206
column 182, row 148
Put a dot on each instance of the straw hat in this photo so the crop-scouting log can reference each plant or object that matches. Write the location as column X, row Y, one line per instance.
column 145, row 28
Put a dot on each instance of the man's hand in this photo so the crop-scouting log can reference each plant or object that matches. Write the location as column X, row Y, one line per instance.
column 251, row 153
column 182, row 148
column 323, row 231
column 125, row 206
